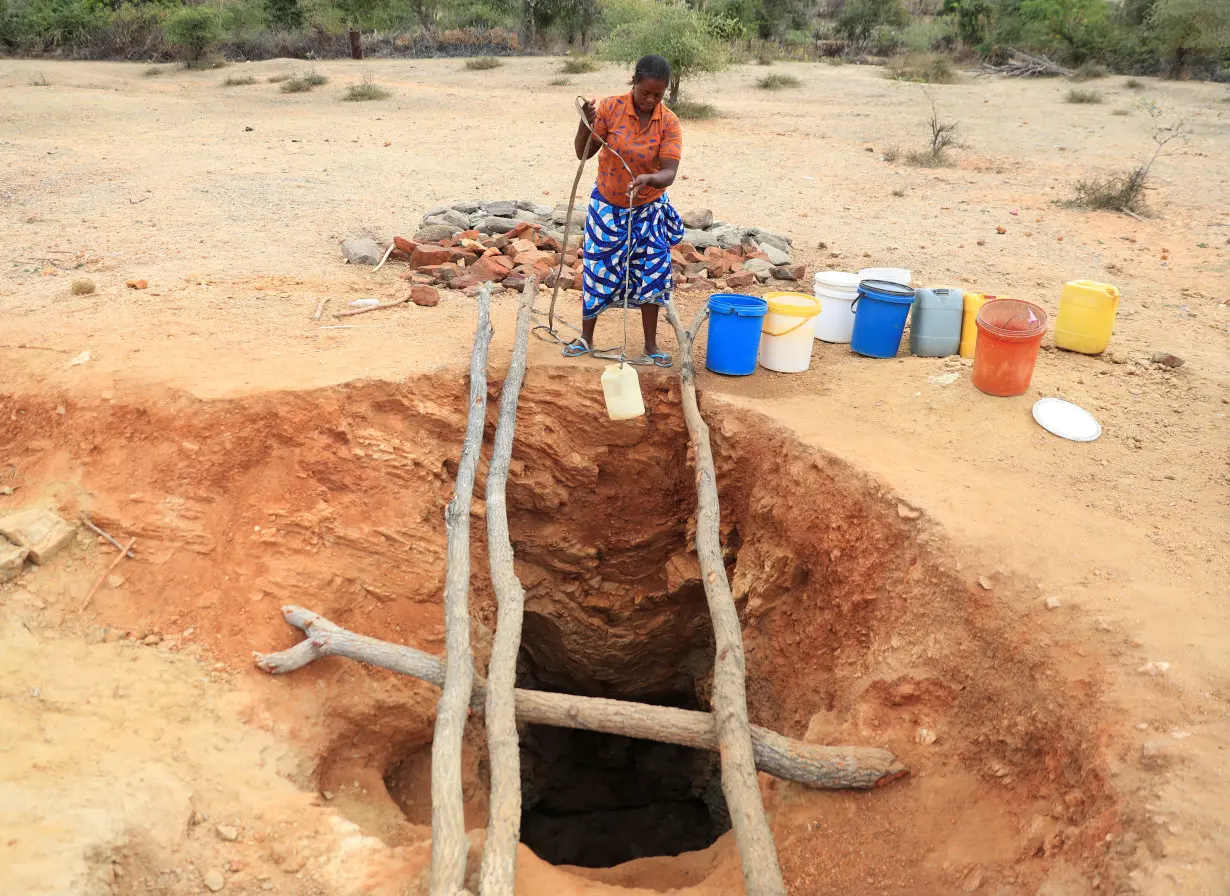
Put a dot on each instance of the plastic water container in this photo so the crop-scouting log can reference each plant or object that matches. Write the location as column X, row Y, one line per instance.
column 969, row 327
column 734, row 333
column 1009, row 335
column 836, row 291
column 879, row 318
column 935, row 322
column 890, row 275
column 788, row 331
column 621, row 387
column 1086, row 319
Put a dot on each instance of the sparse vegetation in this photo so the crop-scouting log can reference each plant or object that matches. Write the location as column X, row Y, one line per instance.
column 778, row 82
column 1134, row 84
column 559, row 82
column 278, row 78
column 152, row 71
column 1083, row 97
column 763, row 58
column 1121, row 111
column 304, row 82
column 40, row 80
column 580, row 65
column 690, row 110
column 1090, row 71
column 899, row 192
column 944, row 139
column 922, row 68
column 1125, row 192
column 196, row 32
column 483, row 64
column 365, row 91
column 892, row 153
column 239, row 81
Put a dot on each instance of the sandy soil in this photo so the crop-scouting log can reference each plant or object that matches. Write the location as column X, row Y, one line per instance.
column 111, row 175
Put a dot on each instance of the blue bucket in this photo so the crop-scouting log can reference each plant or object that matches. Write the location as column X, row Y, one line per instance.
column 734, row 333
column 879, row 318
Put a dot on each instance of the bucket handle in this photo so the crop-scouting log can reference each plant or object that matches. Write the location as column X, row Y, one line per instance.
column 791, row 330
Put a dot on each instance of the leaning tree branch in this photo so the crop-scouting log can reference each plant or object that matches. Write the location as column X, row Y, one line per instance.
column 449, row 845
column 821, row 767
column 762, row 875
column 499, row 866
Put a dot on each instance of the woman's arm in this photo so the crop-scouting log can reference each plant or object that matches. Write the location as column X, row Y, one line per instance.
column 582, row 135
column 660, row 179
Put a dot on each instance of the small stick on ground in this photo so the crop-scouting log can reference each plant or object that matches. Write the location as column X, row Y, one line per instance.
column 1132, row 214
column 821, row 767
column 353, row 311
column 762, row 875
column 90, row 524
column 387, row 253
column 320, row 308
column 114, row 563
column 38, row 348
column 499, row 866
column 449, row 845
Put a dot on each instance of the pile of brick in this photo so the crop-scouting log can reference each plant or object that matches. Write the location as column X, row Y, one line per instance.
column 462, row 246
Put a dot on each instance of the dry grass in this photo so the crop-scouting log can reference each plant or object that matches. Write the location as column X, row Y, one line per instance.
column 40, row 80
column 1090, row 71
column 152, row 71
column 559, row 82
column 1121, row 111
column 1134, row 84
column 365, row 91
column 778, row 82
column 303, row 83
column 279, row 78
column 690, row 110
column 892, row 153
column 1116, row 193
column 483, row 64
column 239, row 81
column 921, row 68
column 1083, row 97
column 899, row 192
column 579, row 66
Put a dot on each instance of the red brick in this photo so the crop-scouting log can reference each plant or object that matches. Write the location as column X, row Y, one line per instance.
column 425, row 296
column 500, row 242
column 740, row 280
column 462, row 255
column 536, row 256
column 474, row 246
column 571, row 259
column 405, row 245
column 689, row 253
column 503, row 261
column 695, row 269
column 399, row 255
column 425, row 256
column 736, row 251
column 464, row 282
column 488, row 269
column 757, row 254
column 468, row 235
column 549, row 243
column 517, row 246
column 514, row 280
column 522, row 229
column 418, row 278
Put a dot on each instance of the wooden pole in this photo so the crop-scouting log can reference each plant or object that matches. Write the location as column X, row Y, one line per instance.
column 499, row 866
column 826, row 768
column 762, row 875
column 449, row 845
column 393, row 304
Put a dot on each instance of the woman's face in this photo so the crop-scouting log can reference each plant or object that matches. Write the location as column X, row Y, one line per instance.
column 647, row 94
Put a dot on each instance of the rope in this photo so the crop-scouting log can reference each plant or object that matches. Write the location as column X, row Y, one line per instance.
column 549, row 327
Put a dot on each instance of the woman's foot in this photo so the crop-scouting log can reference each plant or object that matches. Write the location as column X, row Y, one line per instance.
column 578, row 348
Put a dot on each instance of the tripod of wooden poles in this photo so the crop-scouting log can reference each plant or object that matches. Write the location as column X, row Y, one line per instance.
column 744, row 748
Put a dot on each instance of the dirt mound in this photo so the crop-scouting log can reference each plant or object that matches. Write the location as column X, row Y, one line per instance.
column 859, row 628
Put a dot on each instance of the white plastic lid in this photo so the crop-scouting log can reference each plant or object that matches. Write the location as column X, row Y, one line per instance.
column 1066, row 420
column 837, row 280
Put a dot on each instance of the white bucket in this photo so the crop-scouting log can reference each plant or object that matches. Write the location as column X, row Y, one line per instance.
column 892, row 275
column 836, row 291
column 788, row 331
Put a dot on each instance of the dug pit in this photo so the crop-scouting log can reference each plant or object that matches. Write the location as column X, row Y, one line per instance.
column 859, row 626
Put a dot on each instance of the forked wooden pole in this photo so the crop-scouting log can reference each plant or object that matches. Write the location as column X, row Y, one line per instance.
column 762, row 875
column 826, row 768
column 449, row 845
column 499, row 866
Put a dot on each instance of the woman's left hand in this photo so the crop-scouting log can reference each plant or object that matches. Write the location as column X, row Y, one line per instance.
column 642, row 183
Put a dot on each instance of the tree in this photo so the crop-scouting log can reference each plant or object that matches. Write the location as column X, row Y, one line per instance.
column 1081, row 27
column 196, row 31
column 860, row 17
column 284, row 14
column 686, row 38
column 1190, row 28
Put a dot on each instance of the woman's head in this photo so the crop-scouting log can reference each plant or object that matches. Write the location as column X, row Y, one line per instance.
column 650, row 80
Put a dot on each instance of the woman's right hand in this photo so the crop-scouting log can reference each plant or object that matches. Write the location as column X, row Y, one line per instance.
column 590, row 108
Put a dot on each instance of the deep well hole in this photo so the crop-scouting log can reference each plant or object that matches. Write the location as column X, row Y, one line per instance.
column 857, row 623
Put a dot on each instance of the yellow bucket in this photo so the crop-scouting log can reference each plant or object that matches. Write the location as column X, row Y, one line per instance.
column 1086, row 319
column 969, row 316
column 788, row 331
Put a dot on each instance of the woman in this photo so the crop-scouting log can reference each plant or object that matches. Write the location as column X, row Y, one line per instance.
column 648, row 138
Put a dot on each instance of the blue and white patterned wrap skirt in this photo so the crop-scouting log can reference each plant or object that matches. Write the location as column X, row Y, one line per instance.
column 656, row 226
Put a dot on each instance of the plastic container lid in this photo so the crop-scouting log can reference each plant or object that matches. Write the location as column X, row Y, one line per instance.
column 1012, row 319
column 839, row 280
column 792, row 304
column 737, row 304
column 1066, row 420
column 886, row 291
column 892, row 275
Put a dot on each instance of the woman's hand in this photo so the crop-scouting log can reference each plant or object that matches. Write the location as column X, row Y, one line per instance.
column 643, row 183
column 590, row 109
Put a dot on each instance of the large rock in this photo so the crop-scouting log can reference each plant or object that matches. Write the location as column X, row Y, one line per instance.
column 361, row 250
column 777, row 257
column 727, row 236
column 701, row 239
column 467, row 208
column 492, row 226
column 449, row 216
column 529, row 205
column 775, row 239
column 560, row 214
column 759, row 268
column 501, row 209
column 434, row 233
column 40, row 531
column 698, row 219
column 12, row 559
column 532, row 217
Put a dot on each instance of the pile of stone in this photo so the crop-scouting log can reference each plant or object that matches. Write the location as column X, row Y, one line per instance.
column 34, row 535
column 464, row 245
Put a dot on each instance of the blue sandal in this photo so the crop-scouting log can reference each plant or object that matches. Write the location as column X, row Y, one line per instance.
column 578, row 348
column 661, row 359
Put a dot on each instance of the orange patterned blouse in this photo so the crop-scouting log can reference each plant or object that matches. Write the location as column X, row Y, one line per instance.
column 616, row 121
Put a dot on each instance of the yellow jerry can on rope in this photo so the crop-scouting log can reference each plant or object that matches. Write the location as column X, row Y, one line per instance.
column 1086, row 319
column 622, row 389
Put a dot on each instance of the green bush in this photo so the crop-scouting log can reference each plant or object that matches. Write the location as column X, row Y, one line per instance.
column 284, row 14
column 922, row 68
column 860, row 17
column 690, row 110
column 778, row 82
column 365, row 91
column 196, row 32
column 686, row 38
column 304, row 82
column 1189, row 29
column 239, row 81
column 579, row 66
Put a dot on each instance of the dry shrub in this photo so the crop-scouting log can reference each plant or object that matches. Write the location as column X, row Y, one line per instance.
column 690, row 110
column 1083, row 97
column 483, row 64
column 922, row 68
column 365, row 91
column 239, row 81
column 778, row 82
column 579, row 66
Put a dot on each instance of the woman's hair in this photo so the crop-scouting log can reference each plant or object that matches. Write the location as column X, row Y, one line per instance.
column 651, row 68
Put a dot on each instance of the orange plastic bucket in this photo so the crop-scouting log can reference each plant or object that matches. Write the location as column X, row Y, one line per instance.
column 1009, row 335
